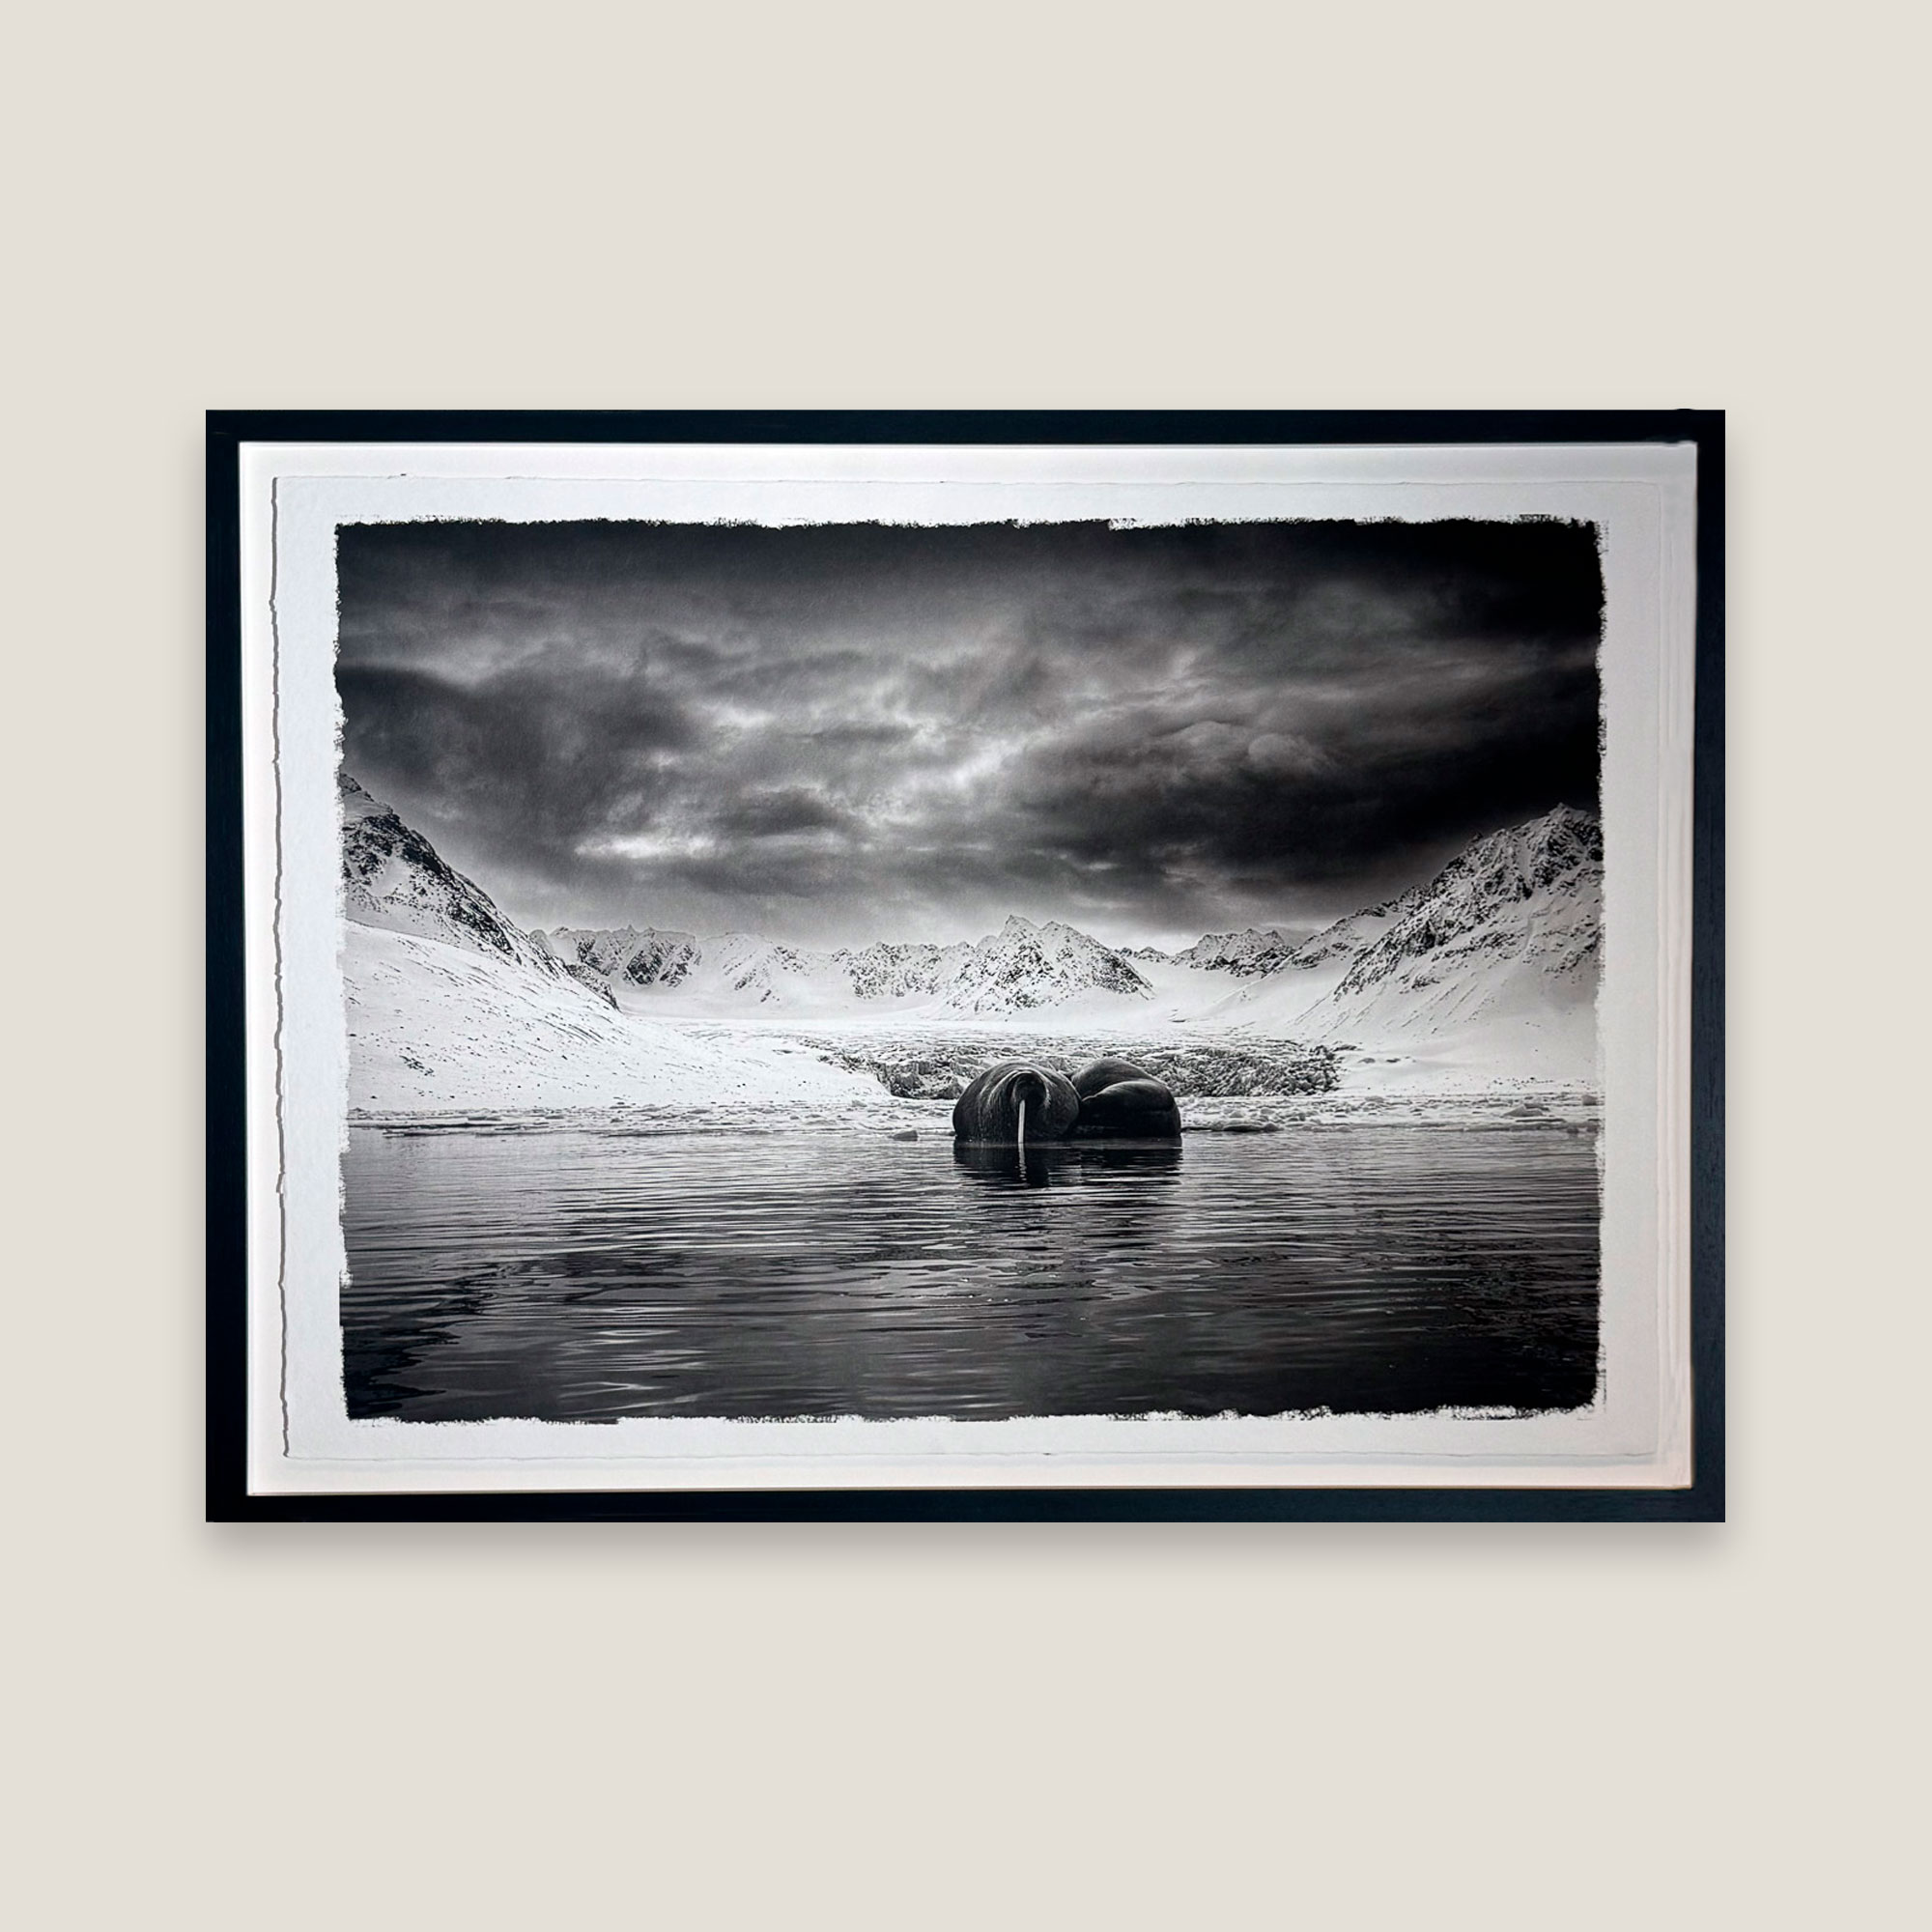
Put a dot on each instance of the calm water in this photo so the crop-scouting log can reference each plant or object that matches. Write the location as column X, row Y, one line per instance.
column 600, row 1269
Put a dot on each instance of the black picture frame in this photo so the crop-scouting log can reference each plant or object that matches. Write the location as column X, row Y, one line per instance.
column 227, row 1495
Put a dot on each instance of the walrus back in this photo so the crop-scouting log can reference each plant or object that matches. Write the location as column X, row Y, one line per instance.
column 989, row 1109
column 1119, row 1101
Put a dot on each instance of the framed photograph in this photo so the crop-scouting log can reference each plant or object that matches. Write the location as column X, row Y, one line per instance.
column 988, row 964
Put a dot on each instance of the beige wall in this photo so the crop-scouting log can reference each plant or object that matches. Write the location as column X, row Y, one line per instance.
column 1410, row 205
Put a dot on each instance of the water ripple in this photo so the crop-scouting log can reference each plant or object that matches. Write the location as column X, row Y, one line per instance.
column 575, row 1270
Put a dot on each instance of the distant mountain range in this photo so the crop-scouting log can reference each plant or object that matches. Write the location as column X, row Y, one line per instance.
column 1018, row 969
column 1508, row 935
column 1257, row 950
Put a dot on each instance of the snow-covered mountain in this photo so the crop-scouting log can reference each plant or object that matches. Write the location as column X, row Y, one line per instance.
column 1257, row 950
column 1513, row 924
column 1530, row 898
column 886, row 971
column 1500, row 952
column 1349, row 936
column 450, row 1004
column 393, row 878
column 656, row 970
column 1492, row 966
column 647, row 959
column 1019, row 968
column 1023, row 966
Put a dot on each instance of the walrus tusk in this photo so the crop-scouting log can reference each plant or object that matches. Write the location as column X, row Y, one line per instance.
column 987, row 1113
column 1022, row 1126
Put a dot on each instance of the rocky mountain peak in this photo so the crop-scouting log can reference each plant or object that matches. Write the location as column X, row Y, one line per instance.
column 1023, row 966
column 1259, row 950
column 1486, row 900
column 393, row 878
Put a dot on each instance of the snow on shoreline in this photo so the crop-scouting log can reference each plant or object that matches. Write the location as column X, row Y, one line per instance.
column 434, row 1026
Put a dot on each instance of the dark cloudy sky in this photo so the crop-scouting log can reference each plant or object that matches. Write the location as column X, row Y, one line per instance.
column 863, row 731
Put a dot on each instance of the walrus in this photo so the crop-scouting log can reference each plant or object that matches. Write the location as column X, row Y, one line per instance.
column 1014, row 1104
column 1119, row 1101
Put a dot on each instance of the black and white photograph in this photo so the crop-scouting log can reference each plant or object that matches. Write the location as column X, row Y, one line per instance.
column 947, row 967
column 992, row 971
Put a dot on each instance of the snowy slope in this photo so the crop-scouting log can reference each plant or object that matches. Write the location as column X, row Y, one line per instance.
column 1307, row 975
column 1347, row 937
column 434, row 1026
column 1530, row 897
column 1493, row 965
column 1500, row 954
column 450, row 1004
column 393, row 878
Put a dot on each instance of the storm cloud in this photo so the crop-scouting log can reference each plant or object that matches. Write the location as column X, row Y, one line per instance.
column 861, row 731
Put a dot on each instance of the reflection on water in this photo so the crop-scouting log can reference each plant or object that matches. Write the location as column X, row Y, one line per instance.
column 1068, row 1163
column 593, row 1269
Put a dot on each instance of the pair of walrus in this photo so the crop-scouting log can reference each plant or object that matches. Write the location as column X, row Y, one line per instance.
column 1015, row 1103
